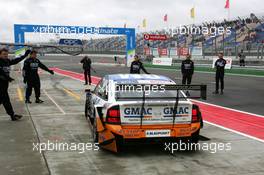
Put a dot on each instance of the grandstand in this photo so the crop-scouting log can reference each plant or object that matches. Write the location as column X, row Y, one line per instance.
column 247, row 33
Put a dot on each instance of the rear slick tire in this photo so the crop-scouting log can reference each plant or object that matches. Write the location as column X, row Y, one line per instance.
column 95, row 133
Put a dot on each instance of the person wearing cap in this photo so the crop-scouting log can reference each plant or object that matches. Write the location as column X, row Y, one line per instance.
column 31, row 76
column 220, row 73
column 136, row 66
column 5, row 79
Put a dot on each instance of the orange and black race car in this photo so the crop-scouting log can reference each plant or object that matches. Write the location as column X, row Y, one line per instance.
column 131, row 107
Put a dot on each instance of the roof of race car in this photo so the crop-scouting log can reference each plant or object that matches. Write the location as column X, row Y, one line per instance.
column 139, row 78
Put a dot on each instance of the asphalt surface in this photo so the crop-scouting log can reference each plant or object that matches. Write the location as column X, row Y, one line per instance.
column 61, row 120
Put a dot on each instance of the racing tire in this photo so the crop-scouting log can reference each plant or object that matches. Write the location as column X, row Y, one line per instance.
column 191, row 142
column 119, row 143
column 195, row 137
column 95, row 133
column 90, row 116
column 86, row 110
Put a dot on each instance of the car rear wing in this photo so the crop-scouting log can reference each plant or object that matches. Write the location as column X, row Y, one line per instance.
column 159, row 87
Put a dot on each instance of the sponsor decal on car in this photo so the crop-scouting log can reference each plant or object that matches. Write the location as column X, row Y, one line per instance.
column 157, row 133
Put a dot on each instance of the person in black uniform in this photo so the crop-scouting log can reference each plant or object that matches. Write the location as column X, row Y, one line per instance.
column 136, row 66
column 87, row 69
column 31, row 76
column 187, row 68
column 5, row 78
column 242, row 58
column 220, row 72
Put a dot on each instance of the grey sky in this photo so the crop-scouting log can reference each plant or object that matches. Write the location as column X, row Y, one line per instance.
column 114, row 13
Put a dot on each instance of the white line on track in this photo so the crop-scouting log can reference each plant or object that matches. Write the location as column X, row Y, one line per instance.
column 231, row 109
column 56, row 114
column 62, row 111
column 237, row 132
column 73, row 77
column 241, row 75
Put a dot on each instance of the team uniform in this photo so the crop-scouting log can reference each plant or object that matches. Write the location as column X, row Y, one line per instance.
column 220, row 72
column 242, row 58
column 87, row 69
column 4, row 82
column 31, row 76
column 136, row 66
column 187, row 69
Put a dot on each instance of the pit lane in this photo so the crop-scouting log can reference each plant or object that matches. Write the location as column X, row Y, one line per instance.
column 62, row 119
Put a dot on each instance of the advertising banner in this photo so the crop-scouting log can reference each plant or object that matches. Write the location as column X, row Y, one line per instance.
column 153, row 37
column 162, row 61
column 163, row 52
column 147, row 51
column 183, row 51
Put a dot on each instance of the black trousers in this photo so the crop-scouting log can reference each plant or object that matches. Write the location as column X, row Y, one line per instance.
column 242, row 62
column 87, row 73
column 4, row 98
column 187, row 78
column 219, row 78
column 33, row 84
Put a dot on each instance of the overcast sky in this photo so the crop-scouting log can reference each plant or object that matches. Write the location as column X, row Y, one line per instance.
column 114, row 13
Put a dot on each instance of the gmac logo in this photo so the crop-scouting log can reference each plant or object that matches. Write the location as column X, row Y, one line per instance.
column 133, row 112
column 71, row 42
column 181, row 110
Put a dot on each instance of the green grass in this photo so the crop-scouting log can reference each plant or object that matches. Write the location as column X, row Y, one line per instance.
column 239, row 71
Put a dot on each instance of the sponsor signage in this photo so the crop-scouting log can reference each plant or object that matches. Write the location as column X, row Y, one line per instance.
column 162, row 61
column 183, row 51
column 163, row 52
column 157, row 133
column 71, row 42
column 147, row 51
column 150, row 114
column 154, row 37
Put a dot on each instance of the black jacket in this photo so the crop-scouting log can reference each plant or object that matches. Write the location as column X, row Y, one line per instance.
column 86, row 63
column 30, row 69
column 242, row 56
column 220, row 65
column 5, row 67
column 136, row 66
column 187, row 67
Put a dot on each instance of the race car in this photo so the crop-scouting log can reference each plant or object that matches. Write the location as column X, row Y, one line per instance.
column 125, row 108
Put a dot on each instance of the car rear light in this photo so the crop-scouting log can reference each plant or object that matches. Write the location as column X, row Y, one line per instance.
column 113, row 115
column 195, row 114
